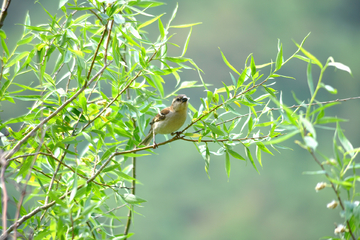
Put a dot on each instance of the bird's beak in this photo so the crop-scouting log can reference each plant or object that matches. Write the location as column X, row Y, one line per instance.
column 185, row 99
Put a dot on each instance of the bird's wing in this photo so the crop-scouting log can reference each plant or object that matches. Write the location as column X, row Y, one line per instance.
column 160, row 116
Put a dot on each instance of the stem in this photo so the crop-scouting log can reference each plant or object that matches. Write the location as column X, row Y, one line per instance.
column 22, row 141
column 130, row 213
column 133, row 185
column 5, row 198
column 335, row 190
column 3, row 14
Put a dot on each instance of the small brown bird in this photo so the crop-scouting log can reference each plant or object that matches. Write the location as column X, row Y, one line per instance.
column 168, row 120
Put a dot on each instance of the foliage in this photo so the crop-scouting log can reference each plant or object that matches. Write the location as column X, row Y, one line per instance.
column 99, row 79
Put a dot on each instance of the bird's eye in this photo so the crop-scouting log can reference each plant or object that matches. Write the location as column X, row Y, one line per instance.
column 178, row 99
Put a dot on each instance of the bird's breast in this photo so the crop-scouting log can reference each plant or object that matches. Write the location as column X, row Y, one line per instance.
column 171, row 123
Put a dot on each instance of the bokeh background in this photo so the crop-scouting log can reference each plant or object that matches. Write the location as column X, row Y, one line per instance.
column 280, row 202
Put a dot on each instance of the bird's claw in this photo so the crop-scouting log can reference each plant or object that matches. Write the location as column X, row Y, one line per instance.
column 176, row 133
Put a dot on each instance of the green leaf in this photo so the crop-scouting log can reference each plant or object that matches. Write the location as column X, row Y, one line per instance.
column 283, row 76
column 161, row 29
column 340, row 66
column 310, row 56
column 119, row 19
column 227, row 62
column 262, row 147
column 279, row 57
column 227, row 164
column 2, row 34
column 149, row 22
column 310, row 142
column 132, row 199
column 309, row 79
column 62, row 3
column 242, row 78
column 25, row 40
column 308, row 125
column 145, row 4
column 252, row 66
column 185, row 25
column 282, row 138
column 248, row 153
column 53, row 196
column 235, row 154
column 83, row 102
column 17, row 58
column 159, row 83
column 319, row 172
column 4, row 46
column 129, row 39
column 258, row 155
column 172, row 16
column 215, row 129
column 27, row 22
column 329, row 88
column 205, row 153
column 325, row 120
column 344, row 141
column 186, row 43
column 74, row 187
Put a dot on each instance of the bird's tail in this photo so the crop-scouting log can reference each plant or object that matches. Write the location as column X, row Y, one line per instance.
column 146, row 141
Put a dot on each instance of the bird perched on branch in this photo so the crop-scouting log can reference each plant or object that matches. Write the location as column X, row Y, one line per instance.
column 168, row 120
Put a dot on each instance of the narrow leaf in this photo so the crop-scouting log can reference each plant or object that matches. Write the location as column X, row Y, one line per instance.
column 227, row 63
column 248, row 153
column 279, row 57
column 344, row 141
column 309, row 79
column 227, row 164
column 149, row 22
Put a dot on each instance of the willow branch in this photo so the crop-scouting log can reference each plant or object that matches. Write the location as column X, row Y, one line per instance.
column 5, row 198
column 87, row 83
column 121, row 92
column 3, row 14
column 52, row 41
column 275, row 109
column 335, row 190
column 221, row 104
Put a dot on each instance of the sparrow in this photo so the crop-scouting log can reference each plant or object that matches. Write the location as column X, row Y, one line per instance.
column 168, row 120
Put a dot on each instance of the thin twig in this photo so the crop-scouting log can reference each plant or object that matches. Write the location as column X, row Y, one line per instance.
column 52, row 41
column 293, row 106
column 133, row 185
column 111, row 210
column 335, row 190
column 27, row 179
column 96, row 53
column 224, row 140
column 60, row 108
column 3, row 14
column 5, row 198
column 221, row 104
column 119, row 94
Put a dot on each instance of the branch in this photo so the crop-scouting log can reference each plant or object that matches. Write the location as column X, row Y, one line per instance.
column 133, row 185
column 225, row 140
column 335, row 190
column 52, row 41
column 121, row 92
column 27, row 179
column 5, row 198
column 14, row 149
column 293, row 106
column 3, row 14
column 216, row 107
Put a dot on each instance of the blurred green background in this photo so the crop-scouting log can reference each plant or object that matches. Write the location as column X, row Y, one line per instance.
column 281, row 202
